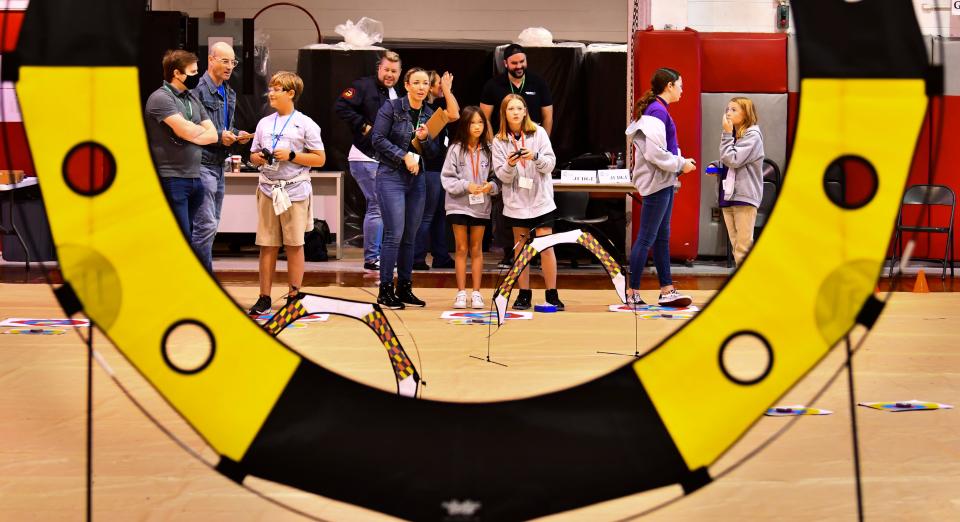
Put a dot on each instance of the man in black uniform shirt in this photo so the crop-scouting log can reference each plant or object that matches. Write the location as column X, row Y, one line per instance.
column 535, row 92
column 358, row 106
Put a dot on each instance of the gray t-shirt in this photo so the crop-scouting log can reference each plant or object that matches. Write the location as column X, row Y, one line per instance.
column 173, row 156
column 297, row 132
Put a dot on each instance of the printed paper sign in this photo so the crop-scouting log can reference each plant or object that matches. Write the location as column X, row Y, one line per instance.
column 576, row 177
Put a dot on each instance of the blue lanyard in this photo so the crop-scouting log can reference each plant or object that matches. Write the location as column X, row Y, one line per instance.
column 226, row 116
column 276, row 137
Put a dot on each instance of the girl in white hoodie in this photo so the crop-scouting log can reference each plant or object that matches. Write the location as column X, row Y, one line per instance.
column 657, row 164
column 523, row 160
column 467, row 177
column 741, row 182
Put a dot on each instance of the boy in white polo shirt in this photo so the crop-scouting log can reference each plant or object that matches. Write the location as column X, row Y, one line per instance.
column 285, row 146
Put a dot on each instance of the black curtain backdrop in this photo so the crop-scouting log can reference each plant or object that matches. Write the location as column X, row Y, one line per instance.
column 326, row 73
column 605, row 80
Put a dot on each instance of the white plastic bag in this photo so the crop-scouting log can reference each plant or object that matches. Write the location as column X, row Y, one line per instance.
column 535, row 37
column 364, row 33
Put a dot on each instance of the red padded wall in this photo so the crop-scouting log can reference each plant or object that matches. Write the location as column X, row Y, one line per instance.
column 744, row 62
column 679, row 50
column 16, row 138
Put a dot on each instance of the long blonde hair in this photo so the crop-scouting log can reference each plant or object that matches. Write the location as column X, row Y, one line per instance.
column 527, row 126
column 749, row 115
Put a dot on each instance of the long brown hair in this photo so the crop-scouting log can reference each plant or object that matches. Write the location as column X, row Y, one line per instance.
column 526, row 126
column 663, row 77
column 461, row 133
column 749, row 114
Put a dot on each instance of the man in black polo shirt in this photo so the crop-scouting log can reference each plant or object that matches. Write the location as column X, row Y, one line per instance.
column 516, row 80
column 177, row 128
column 529, row 85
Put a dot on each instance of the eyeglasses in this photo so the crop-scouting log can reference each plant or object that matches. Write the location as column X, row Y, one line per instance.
column 227, row 61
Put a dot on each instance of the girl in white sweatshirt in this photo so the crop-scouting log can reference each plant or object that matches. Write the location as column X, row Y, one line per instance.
column 523, row 160
column 467, row 177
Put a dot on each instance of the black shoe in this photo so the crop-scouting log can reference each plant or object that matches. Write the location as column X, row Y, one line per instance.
column 524, row 300
column 553, row 298
column 371, row 265
column 262, row 306
column 505, row 263
column 387, row 298
column 292, row 296
column 405, row 294
column 447, row 263
column 421, row 265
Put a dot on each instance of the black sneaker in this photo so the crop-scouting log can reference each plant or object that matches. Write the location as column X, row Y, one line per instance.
column 405, row 294
column 505, row 263
column 524, row 300
column 372, row 265
column 421, row 265
column 387, row 298
column 262, row 306
column 444, row 263
column 635, row 301
column 553, row 298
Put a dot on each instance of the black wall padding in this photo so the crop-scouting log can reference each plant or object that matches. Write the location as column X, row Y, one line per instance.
column 605, row 79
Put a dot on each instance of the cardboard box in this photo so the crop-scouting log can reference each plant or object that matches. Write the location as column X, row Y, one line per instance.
column 10, row 177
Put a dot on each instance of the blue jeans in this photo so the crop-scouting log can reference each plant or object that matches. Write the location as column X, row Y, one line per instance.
column 208, row 216
column 432, row 235
column 654, row 232
column 185, row 196
column 365, row 172
column 402, row 197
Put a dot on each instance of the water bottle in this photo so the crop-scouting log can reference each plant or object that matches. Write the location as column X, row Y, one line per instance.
column 620, row 162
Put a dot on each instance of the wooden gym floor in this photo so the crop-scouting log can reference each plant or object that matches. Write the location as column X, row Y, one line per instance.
column 910, row 461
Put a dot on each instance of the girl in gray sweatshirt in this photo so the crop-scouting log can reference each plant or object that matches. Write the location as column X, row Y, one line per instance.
column 741, row 185
column 523, row 160
column 468, row 180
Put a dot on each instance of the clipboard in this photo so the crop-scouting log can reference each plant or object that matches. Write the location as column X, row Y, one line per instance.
column 435, row 124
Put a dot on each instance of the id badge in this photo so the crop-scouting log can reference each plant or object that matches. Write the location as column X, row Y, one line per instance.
column 526, row 183
column 267, row 167
column 476, row 199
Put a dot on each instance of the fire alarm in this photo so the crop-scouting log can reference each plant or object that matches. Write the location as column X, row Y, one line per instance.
column 783, row 15
column 219, row 17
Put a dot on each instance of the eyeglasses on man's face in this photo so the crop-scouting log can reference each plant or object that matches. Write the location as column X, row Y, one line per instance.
column 228, row 61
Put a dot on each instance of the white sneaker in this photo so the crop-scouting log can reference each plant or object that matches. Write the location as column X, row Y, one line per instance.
column 674, row 299
column 477, row 301
column 635, row 300
column 461, row 300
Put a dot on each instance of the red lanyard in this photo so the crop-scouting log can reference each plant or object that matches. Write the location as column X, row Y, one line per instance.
column 523, row 144
column 475, row 159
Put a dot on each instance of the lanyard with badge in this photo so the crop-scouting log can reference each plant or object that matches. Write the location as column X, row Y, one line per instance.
column 522, row 83
column 276, row 139
column 525, row 182
column 475, row 199
column 414, row 124
column 187, row 108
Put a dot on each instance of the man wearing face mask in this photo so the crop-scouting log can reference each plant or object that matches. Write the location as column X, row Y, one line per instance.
column 534, row 91
column 220, row 102
column 177, row 128
column 358, row 106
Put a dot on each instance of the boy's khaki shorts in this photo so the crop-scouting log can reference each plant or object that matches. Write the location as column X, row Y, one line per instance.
column 287, row 228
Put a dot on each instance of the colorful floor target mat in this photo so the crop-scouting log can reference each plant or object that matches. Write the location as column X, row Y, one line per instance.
column 911, row 405
column 657, row 312
column 794, row 411
column 21, row 322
